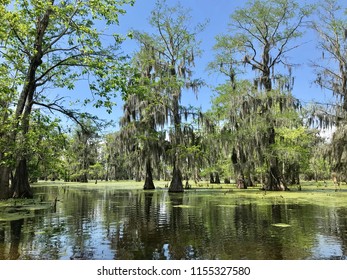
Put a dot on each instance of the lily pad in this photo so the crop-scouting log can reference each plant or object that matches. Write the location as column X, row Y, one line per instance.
column 184, row 206
column 282, row 225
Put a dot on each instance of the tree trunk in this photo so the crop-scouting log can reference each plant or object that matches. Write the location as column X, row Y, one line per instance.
column 211, row 178
column 83, row 177
column 20, row 186
column 176, row 184
column 149, row 185
column 241, row 183
column 217, row 179
column 239, row 177
column 293, row 174
column 226, row 181
column 274, row 179
column 4, row 182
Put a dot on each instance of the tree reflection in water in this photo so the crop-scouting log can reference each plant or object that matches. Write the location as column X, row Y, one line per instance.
column 134, row 224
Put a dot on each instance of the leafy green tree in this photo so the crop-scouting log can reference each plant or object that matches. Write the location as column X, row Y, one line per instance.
column 331, row 67
column 47, row 44
column 83, row 151
column 320, row 161
column 144, row 117
column 96, row 171
column 173, row 48
column 261, row 34
column 331, row 71
column 139, row 135
column 117, row 162
column 46, row 147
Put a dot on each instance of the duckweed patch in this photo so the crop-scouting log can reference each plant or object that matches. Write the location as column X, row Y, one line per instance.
column 16, row 209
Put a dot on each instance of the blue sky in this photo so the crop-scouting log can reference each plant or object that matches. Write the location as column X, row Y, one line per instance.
column 218, row 13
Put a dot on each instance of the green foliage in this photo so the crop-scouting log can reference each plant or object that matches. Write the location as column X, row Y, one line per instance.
column 44, row 147
column 83, row 150
column 54, row 44
column 252, row 114
column 152, row 127
column 70, row 46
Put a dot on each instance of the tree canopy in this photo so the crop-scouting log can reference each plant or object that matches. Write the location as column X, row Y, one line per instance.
column 255, row 133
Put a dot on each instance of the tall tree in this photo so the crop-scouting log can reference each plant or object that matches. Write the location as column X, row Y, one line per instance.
column 331, row 67
column 331, row 71
column 173, row 50
column 145, row 116
column 140, row 135
column 55, row 43
column 262, row 33
column 115, row 160
column 83, row 151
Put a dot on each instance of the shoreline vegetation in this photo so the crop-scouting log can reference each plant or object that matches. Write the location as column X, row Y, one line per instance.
column 323, row 193
column 306, row 190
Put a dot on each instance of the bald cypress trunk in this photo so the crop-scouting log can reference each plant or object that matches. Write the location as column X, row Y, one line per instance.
column 274, row 179
column 176, row 184
column 238, row 172
column 149, row 185
column 20, row 185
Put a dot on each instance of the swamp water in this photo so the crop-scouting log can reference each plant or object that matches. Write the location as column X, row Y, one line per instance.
column 108, row 223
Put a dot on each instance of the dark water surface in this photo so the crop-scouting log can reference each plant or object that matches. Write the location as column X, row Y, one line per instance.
column 133, row 224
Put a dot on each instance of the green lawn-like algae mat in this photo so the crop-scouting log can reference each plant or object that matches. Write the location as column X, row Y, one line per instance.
column 16, row 209
column 318, row 193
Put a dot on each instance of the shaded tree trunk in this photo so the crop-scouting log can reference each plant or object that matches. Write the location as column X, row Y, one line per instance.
column 4, row 182
column 84, row 178
column 292, row 174
column 176, row 184
column 20, row 186
column 211, row 178
column 239, row 176
column 217, row 179
column 149, row 185
column 274, row 179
